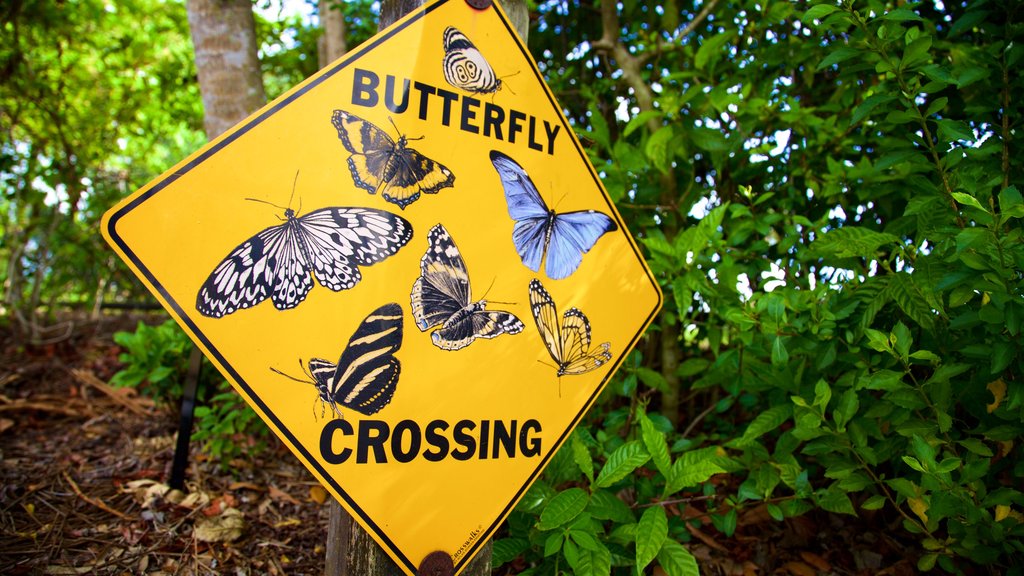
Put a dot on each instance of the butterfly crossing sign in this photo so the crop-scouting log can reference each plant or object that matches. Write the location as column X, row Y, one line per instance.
column 408, row 268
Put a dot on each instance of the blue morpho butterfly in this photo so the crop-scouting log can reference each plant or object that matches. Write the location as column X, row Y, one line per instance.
column 559, row 239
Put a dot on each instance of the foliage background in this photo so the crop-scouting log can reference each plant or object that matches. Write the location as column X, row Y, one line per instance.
column 829, row 194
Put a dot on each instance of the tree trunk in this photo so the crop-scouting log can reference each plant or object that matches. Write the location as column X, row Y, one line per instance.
column 224, row 39
column 332, row 45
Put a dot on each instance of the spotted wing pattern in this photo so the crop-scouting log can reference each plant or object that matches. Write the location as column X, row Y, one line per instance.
column 378, row 163
column 330, row 243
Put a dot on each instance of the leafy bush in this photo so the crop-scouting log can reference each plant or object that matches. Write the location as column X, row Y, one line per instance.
column 156, row 361
column 834, row 213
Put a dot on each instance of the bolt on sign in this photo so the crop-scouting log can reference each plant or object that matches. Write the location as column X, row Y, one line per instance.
column 409, row 269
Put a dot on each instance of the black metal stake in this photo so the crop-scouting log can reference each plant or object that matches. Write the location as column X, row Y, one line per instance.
column 188, row 408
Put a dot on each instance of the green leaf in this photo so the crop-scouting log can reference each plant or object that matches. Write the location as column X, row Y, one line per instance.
column 852, row 241
column 869, row 104
column 836, row 56
column 656, row 444
column 652, row 379
column 676, row 560
column 651, row 532
column 563, row 508
column 553, row 544
column 874, row 503
column 817, row 12
column 687, row 474
column 622, row 462
column 765, row 422
column 507, row 549
column 834, row 499
column 641, row 119
column 593, row 562
column 711, row 50
column 779, row 354
column 902, row 15
column 968, row 200
column 710, row 140
column 1011, row 205
column 581, row 456
column 908, row 295
column 822, row 394
column 607, row 506
column 658, row 149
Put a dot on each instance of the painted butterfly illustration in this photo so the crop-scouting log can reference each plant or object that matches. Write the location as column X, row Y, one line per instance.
column 559, row 239
column 465, row 67
column 379, row 163
column 568, row 343
column 330, row 243
column 441, row 297
column 366, row 375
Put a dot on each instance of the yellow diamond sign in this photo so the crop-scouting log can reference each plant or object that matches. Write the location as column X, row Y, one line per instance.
column 409, row 269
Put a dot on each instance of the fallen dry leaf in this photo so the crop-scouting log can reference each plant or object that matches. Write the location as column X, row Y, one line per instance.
column 817, row 561
column 224, row 528
column 5, row 424
column 799, row 569
column 317, row 494
column 280, row 495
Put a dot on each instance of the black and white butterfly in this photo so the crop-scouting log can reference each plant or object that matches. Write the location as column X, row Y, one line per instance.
column 441, row 297
column 379, row 163
column 329, row 243
column 540, row 233
column 366, row 375
column 567, row 342
column 465, row 67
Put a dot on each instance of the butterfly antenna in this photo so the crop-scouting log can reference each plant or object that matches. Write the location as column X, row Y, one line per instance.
column 294, row 186
column 288, row 376
column 399, row 132
column 266, row 202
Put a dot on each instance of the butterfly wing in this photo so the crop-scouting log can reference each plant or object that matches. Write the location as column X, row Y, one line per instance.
column 378, row 163
column 526, row 208
column 370, row 146
column 443, row 286
column 410, row 174
column 465, row 67
column 573, row 234
column 367, row 373
column 465, row 327
column 323, row 373
column 577, row 357
column 339, row 240
column 546, row 316
column 270, row 264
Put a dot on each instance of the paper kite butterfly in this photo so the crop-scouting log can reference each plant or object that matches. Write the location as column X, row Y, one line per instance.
column 441, row 297
column 465, row 67
column 541, row 234
column 330, row 243
column 366, row 375
column 378, row 163
column 568, row 343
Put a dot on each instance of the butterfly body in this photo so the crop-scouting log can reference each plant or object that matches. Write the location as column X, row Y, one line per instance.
column 465, row 67
column 540, row 234
column 441, row 298
column 568, row 342
column 280, row 262
column 380, row 164
column 366, row 375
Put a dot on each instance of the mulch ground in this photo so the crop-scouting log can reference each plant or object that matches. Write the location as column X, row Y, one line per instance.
column 83, row 467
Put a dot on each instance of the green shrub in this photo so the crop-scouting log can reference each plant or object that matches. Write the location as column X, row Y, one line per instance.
column 156, row 362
